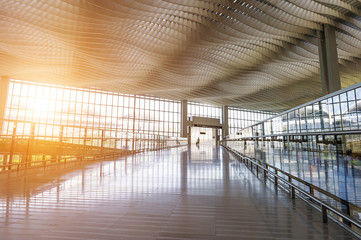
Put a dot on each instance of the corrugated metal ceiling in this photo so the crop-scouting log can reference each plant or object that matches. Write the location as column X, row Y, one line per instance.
column 252, row 54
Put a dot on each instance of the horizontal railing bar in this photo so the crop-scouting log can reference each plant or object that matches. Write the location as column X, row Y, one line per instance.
column 58, row 159
column 82, row 138
column 60, row 125
column 16, row 166
column 343, row 132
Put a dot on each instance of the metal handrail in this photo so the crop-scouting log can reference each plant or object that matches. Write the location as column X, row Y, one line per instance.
column 311, row 186
column 315, row 133
column 324, row 206
column 46, row 162
column 27, row 136
column 62, row 160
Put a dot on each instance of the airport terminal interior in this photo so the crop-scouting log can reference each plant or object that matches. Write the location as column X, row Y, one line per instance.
column 180, row 120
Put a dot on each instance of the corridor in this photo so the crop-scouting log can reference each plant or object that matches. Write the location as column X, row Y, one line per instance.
column 181, row 193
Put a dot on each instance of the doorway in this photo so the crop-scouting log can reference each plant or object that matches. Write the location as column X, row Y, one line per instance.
column 205, row 134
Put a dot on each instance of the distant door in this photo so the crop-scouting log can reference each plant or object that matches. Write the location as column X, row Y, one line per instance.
column 205, row 135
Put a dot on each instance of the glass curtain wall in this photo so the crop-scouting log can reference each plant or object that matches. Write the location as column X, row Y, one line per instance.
column 204, row 110
column 101, row 118
column 73, row 115
column 239, row 118
column 318, row 142
column 340, row 111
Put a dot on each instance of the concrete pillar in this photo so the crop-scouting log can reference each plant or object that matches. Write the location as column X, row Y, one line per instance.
column 225, row 121
column 184, row 121
column 334, row 82
column 323, row 62
column 4, row 91
column 327, row 51
column 216, row 130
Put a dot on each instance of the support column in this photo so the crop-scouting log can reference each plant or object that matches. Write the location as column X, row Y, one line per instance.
column 327, row 51
column 225, row 131
column 134, row 112
column 184, row 121
column 323, row 61
column 4, row 90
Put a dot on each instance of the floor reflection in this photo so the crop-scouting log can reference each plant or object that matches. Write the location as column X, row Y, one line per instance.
column 180, row 193
column 146, row 173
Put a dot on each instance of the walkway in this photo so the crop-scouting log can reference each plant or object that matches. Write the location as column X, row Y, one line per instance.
column 196, row 193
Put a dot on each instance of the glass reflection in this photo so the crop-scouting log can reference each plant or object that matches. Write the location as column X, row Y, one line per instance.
column 341, row 112
column 320, row 163
column 172, row 171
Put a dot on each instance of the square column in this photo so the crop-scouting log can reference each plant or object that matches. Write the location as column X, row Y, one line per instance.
column 183, row 120
column 327, row 52
column 225, row 131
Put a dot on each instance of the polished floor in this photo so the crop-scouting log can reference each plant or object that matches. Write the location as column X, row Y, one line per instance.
column 181, row 193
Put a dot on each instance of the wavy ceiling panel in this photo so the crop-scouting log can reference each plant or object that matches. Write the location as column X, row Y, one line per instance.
column 252, row 53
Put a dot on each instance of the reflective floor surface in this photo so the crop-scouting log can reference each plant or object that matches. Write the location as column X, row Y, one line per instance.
column 181, row 193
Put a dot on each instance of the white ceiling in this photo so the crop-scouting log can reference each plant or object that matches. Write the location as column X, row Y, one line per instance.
column 257, row 54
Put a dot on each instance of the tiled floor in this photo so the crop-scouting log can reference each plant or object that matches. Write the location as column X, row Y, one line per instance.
column 185, row 193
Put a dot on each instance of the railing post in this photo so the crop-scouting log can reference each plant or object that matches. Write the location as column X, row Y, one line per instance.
column 44, row 162
column 5, row 161
column 265, row 173
column 257, row 170
column 292, row 190
column 276, row 178
column 102, row 140
column 85, row 135
column 324, row 214
column 345, row 207
column 61, row 134
column 311, row 190
column 12, row 148
column 28, row 156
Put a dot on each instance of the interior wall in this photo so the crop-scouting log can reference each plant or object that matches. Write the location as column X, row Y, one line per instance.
column 204, row 134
